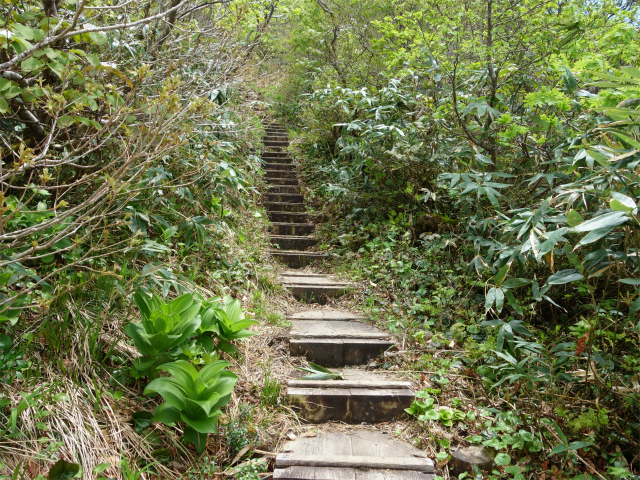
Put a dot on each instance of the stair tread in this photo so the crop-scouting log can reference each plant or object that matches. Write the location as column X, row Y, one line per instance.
column 323, row 314
column 299, row 252
column 358, row 454
column 311, row 280
column 341, row 329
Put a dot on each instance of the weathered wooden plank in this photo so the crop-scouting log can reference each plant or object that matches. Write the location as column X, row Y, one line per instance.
column 335, row 329
column 366, row 384
column 325, row 352
column 311, row 280
column 337, row 352
column 372, row 406
column 397, row 475
column 359, row 441
column 312, row 473
column 323, row 315
column 293, row 242
column 295, row 259
column 344, row 335
column 380, row 445
column 354, row 461
column 352, row 405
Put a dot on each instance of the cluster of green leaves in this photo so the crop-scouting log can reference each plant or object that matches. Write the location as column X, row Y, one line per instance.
column 172, row 337
column 426, row 410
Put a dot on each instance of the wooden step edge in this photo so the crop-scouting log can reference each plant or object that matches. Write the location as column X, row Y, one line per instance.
column 323, row 319
column 419, row 464
column 298, row 252
column 293, row 273
column 344, row 384
column 340, row 336
column 292, row 237
column 288, row 213
column 279, row 224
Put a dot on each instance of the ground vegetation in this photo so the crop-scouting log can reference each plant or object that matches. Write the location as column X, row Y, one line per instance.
column 479, row 163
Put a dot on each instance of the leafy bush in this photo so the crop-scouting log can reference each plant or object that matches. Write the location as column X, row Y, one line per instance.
column 164, row 327
column 193, row 397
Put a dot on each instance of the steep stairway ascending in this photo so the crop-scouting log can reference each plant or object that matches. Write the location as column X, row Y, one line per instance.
column 332, row 339
column 291, row 229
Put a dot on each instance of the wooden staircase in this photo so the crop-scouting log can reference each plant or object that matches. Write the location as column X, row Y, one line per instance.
column 333, row 339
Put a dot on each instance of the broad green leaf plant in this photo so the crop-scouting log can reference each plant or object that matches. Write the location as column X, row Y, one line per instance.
column 191, row 396
column 164, row 327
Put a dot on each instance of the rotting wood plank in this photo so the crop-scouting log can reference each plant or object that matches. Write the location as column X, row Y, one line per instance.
column 316, row 293
column 345, row 329
column 338, row 352
column 350, row 405
column 323, row 315
column 311, row 473
column 382, row 385
column 350, row 443
column 323, row 280
column 354, row 461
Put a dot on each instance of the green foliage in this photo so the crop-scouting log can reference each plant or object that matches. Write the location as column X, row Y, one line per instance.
column 225, row 319
column 270, row 392
column 317, row 372
column 425, row 409
column 63, row 470
column 484, row 186
column 251, row 470
column 193, row 397
column 238, row 433
column 164, row 327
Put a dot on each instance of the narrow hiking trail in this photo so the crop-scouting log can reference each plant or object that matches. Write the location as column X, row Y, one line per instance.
column 337, row 339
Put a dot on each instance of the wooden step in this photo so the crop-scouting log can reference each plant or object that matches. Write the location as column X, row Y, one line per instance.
column 357, row 454
column 280, row 181
column 283, row 228
column 283, row 189
column 276, row 153
column 352, row 400
column 336, row 343
column 281, row 160
column 296, row 259
column 293, row 242
column 337, row 352
column 275, row 136
column 276, row 143
column 281, row 167
column 269, row 173
column 317, row 293
column 284, row 197
column 321, row 315
column 285, row 207
column 288, row 217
